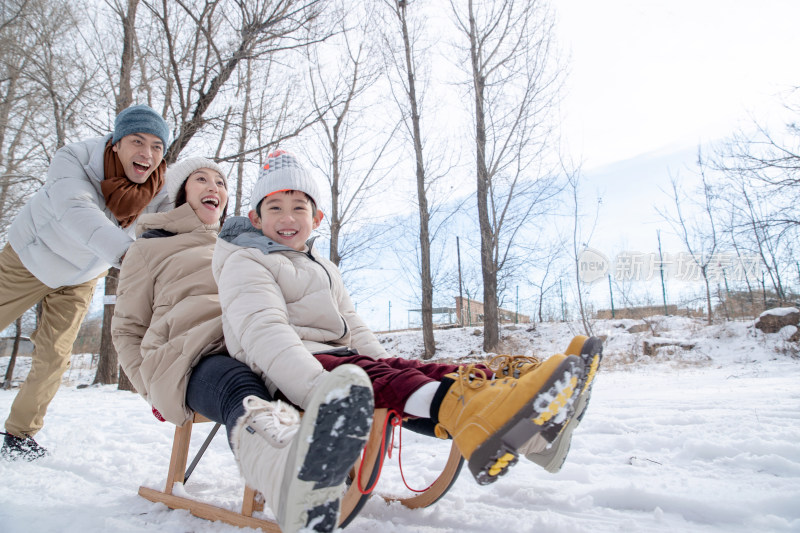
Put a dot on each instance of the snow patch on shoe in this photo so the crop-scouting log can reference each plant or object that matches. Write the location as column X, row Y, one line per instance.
column 339, row 435
column 550, row 403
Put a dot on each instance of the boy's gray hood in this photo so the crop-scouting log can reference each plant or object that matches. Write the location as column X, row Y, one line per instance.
column 239, row 231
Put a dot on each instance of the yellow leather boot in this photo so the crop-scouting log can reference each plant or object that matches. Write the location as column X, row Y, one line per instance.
column 551, row 455
column 516, row 366
column 489, row 419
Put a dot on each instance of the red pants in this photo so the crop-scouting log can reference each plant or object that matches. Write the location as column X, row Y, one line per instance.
column 394, row 379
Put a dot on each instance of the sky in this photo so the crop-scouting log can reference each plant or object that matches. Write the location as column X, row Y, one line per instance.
column 649, row 82
column 656, row 75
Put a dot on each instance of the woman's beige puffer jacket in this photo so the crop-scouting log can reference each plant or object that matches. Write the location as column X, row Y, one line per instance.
column 280, row 306
column 167, row 314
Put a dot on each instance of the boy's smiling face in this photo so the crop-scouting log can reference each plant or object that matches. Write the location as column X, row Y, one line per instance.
column 287, row 217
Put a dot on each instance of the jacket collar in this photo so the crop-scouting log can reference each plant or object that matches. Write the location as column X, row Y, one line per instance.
column 239, row 231
column 182, row 219
column 97, row 148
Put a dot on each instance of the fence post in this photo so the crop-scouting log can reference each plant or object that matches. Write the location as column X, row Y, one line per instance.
column 661, row 270
column 611, row 292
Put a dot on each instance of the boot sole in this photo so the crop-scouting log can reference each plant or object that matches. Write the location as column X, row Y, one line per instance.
column 552, row 459
column 545, row 415
column 329, row 441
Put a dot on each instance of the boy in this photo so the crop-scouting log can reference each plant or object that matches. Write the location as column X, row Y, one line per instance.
column 288, row 316
column 80, row 223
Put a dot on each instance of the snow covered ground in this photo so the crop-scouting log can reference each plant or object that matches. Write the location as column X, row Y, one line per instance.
column 704, row 440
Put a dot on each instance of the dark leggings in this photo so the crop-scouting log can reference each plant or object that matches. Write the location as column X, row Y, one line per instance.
column 219, row 383
column 217, row 386
column 394, row 379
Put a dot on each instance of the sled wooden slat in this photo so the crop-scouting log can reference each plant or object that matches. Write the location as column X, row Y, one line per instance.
column 352, row 501
column 176, row 473
column 209, row 511
column 250, row 501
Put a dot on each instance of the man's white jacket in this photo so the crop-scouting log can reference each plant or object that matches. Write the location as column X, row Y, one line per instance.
column 65, row 235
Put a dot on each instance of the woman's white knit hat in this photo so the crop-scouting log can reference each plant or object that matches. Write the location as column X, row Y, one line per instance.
column 178, row 172
column 283, row 172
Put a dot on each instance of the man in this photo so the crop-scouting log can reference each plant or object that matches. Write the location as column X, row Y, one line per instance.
column 64, row 239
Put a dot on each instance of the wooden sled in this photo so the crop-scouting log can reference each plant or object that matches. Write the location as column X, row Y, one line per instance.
column 352, row 502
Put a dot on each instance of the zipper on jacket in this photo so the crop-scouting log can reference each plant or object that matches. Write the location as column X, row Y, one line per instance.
column 330, row 282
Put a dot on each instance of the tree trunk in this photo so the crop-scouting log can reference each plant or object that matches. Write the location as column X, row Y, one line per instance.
column 587, row 327
column 426, row 280
column 491, row 330
column 708, row 296
column 14, row 350
column 575, row 182
column 541, row 304
column 125, row 94
column 336, row 222
column 195, row 123
column 107, row 367
column 243, row 138
column 124, row 382
column 107, row 362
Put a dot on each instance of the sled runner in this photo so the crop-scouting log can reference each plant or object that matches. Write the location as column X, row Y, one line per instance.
column 365, row 474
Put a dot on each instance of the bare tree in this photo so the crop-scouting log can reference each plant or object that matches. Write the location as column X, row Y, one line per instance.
column 406, row 67
column 14, row 351
column 127, row 18
column 762, row 176
column 546, row 272
column 108, row 369
column 769, row 160
column 350, row 150
column 56, row 65
column 203, row 42
column 698, row 233
column 19, row 110
column 45, row 85
column 580, row 236
column 247, row 86
column 268, row 110
column 751, row 213
column 514, row 81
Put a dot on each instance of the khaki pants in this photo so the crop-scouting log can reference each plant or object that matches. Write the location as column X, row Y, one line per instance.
column 63, row 310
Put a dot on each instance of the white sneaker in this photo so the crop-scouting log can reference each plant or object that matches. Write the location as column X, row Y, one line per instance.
column 300, row 464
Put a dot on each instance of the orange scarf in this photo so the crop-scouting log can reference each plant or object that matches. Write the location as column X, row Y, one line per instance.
column 125, row 198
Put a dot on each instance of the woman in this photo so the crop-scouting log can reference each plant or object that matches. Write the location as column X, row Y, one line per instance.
column 167, row 330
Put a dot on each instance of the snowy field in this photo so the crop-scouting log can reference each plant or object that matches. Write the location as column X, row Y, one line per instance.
column 704, row 439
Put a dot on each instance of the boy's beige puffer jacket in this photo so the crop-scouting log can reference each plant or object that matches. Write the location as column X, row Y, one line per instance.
column 280, row 306
column 167, row 314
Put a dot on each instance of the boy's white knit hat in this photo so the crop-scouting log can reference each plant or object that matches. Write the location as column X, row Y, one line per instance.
column 178, row 172
column 283, row 172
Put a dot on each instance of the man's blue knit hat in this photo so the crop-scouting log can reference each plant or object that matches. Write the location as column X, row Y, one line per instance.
column 140, row 119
